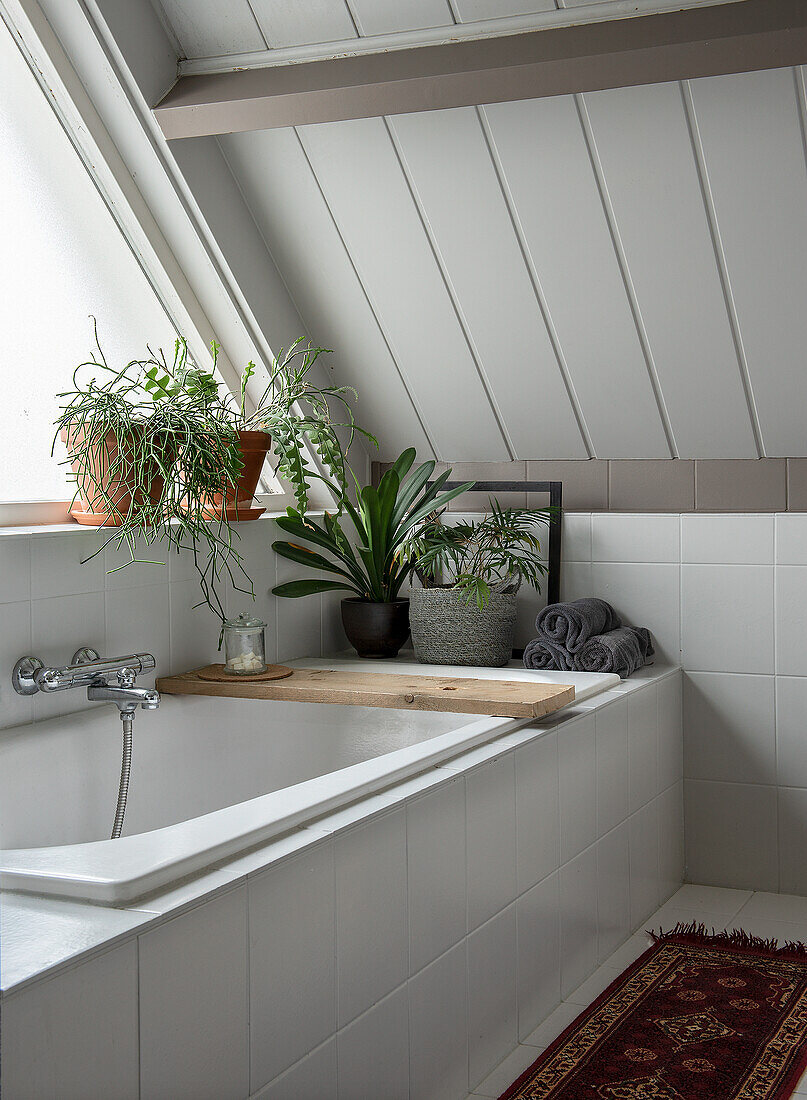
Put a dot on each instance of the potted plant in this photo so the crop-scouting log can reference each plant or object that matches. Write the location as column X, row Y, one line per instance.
column 469, row 619
column 162, row 455
column 371, row 563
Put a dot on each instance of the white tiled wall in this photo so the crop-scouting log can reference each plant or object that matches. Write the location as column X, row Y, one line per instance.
column 52, row 602
column 726, row 596
column 402, row 955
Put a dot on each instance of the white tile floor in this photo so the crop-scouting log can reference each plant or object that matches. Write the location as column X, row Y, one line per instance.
column 770, row 915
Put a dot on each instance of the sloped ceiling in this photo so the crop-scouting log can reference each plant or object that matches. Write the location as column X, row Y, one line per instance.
column 619, row 274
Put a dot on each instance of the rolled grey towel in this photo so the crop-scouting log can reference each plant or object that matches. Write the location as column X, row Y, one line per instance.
column 621, row 651
column 541, row 653
column 572, row 624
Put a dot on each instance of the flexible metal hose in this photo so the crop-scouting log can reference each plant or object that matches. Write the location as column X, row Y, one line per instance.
column 125, row 770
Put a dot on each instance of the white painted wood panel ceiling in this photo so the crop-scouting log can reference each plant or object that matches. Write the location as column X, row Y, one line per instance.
column 212, row 28
column 616, row 275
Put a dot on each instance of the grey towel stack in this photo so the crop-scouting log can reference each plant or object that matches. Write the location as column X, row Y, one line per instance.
column 587, row 636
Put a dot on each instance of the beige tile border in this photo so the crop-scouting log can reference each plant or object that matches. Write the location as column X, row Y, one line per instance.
column 652, row 485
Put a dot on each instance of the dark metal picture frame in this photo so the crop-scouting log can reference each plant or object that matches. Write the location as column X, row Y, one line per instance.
column 555, row 491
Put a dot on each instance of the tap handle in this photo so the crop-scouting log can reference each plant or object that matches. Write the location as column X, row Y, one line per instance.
column 23, row 677
column 84, row 655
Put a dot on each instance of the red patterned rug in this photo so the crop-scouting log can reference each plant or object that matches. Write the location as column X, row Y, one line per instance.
column 697, row 1017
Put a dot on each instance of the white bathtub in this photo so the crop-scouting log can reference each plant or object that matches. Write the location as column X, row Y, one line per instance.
column 211, row 777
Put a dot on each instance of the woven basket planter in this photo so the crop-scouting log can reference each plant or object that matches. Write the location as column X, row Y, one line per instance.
column 448, row 631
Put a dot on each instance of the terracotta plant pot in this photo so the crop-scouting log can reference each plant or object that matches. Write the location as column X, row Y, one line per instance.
column 375, row 629
column 107, row 475
column 235, row 503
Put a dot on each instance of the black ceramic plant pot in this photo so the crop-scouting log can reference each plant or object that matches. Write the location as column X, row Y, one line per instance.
column 375, row 629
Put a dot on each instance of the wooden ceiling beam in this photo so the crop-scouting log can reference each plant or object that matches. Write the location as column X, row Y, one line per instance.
column 648, row 49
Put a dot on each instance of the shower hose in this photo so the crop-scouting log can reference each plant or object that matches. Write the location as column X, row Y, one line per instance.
column 125, row 769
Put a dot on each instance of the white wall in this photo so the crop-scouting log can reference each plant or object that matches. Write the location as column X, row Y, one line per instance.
column 50, row 604
column 728, row 594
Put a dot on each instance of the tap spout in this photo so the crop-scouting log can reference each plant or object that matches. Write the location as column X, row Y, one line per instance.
column 127, row 699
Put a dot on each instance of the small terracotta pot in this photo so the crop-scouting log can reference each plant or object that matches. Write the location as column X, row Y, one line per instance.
column 375, row 629
column 235, row 503
column 97, row 484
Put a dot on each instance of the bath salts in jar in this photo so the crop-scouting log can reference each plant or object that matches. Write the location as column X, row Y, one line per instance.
column 244, row 645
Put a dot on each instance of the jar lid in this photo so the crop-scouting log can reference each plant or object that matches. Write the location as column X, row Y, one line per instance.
column 244, row 622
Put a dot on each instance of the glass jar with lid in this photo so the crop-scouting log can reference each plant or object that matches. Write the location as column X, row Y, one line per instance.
column 244, row 646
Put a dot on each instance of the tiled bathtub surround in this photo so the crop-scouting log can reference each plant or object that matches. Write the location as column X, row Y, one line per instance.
column 403, row 952
column 51, row 603
column 729, row 592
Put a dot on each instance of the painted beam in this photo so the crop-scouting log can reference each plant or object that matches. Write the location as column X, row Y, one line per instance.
column 649, row 49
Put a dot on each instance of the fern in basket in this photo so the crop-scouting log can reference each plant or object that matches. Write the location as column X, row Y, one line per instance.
column 494, row 554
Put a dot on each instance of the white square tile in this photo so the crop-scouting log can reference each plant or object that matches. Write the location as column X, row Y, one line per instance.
column 507, row 1071
column 730, row 727
column 575, row 580
column 15, row 642
column 537, row 810
column 792, row 840
column 611, row 725
column 63, row 565
column 782, row 907
column 577, row 771
column 716, row 900
column 731, row 834
column 538, row 918
column 644, row 595
column 670, row 840
column 150, row 565
column 644, row 863
column 15, row 569
column 727, row 618
column 791, row 539
column 578, row 920
column 371, row 920
column 630, row 951
column 577, row 536
column 138, row 620
column 670, row 732
column 781, row 931
column 727, row 540
column 75, row 1035
column 373, row 1051
column 194, row 629
column 292, row 950
column 642, row 747
column 492, row 998
column 565, row 1014
column 438, row 1028
column 299, row 622
column 314, row 1076
column 634, row 538
column 193, row 1003
column 59, row 626
column 791, row 743
column 613, row 890
column 435, row 826
column 594, row 986
column 791, row 620
column 491, row 838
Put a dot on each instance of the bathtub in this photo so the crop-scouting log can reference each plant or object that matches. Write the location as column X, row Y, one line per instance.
column 211, row 777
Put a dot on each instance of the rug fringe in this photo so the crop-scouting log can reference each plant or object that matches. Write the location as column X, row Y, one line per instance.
column 699, row 934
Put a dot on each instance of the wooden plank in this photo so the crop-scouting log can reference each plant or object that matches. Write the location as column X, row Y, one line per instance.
column 647, row 49
column 497, row 698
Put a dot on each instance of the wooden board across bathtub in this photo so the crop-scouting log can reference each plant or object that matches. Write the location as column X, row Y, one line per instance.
column 498, row 698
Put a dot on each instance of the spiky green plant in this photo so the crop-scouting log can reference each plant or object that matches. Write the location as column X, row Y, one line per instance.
column 373, row 564
column 494, row 554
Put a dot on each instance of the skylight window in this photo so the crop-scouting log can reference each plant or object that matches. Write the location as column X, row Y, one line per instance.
column 62, row 258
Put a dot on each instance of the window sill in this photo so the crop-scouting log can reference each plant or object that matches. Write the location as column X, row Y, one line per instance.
column 43, row 530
